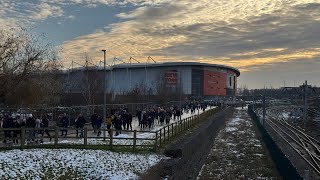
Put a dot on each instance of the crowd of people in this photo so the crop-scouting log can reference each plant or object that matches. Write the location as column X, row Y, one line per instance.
column 118, row 119
column 17, row 122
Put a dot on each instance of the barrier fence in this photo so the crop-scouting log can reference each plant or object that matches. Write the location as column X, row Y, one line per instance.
column 38, row 138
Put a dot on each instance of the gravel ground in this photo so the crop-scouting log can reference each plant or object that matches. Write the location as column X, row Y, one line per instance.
column 297, row 161
column 238, row 153
column 283, row 112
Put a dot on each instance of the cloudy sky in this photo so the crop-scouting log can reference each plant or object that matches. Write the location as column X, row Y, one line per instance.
column 272, row 42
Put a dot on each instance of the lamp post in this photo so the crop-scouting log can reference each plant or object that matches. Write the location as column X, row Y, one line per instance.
column 104, row 96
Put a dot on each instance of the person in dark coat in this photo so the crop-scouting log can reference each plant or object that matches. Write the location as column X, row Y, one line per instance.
column 16, row 133
column 117, row 125
column 149, row 120
column 162, row 116
column 139, row 115
column 80, row 124
column 98, row 124
column 7, row 123
column 45, row 124
column 124, row 118
column 31, row 123
column 94, row 119
column 168, row 117
column 129, row 124
column 64, row 124
column 144, row 120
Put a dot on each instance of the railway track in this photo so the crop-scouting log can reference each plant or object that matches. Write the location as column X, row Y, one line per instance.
column 306, row 146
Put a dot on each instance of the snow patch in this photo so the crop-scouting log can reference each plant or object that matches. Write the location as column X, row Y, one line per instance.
column 88, row 164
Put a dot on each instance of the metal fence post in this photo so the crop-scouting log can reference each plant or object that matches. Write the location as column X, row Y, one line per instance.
column 172, row 129
column 111, row 138
column 160, row 136
column 176, row 128
column 56, row 133
column 134, row 140
column 156, row 143
column 85, row 140
column 23, row 137
column 164, row 134
column 168, row 132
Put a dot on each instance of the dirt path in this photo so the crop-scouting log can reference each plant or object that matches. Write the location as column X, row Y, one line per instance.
column 238, row 153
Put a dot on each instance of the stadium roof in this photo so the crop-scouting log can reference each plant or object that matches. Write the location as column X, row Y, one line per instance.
column 160, row 64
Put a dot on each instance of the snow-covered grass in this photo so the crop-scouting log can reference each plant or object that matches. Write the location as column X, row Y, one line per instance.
column 237, row 153
column 73, row 164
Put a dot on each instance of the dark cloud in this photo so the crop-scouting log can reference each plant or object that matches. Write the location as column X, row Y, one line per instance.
column 293, row 31
column 308, row 7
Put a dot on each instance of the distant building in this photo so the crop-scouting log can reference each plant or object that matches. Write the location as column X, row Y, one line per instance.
column 190, row 78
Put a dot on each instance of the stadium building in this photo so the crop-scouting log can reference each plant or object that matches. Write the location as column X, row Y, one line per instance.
column 191, row 78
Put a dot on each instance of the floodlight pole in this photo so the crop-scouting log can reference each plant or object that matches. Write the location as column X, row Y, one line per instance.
column 104, row 96
column 305, row 106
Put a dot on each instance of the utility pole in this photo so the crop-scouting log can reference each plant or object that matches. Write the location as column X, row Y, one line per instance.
column 305, row 87
column 104, row 96
column 264, row 109
column 254, row 100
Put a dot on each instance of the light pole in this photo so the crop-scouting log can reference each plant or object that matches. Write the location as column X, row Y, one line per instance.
column 104, row 95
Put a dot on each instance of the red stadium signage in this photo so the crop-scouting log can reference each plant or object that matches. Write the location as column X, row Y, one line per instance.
column 214, row 83
column 171, row 77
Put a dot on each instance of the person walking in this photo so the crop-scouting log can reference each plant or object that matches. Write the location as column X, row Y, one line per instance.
column 81, row 122
column 31, row 124
column 139, row 115
column 38, row 131
column 94, row 119
column 109, row 123
column 45, row 124
column 64, row 125
column 117, row 125
column 129, row 123
column 98, row 125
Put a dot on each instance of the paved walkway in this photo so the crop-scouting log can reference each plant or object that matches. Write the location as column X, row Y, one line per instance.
column 135, row 126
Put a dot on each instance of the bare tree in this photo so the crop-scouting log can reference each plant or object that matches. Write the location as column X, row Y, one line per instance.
column 92, row 81
column 22, row 54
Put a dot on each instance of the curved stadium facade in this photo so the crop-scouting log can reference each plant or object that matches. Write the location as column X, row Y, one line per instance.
column 192, row 78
